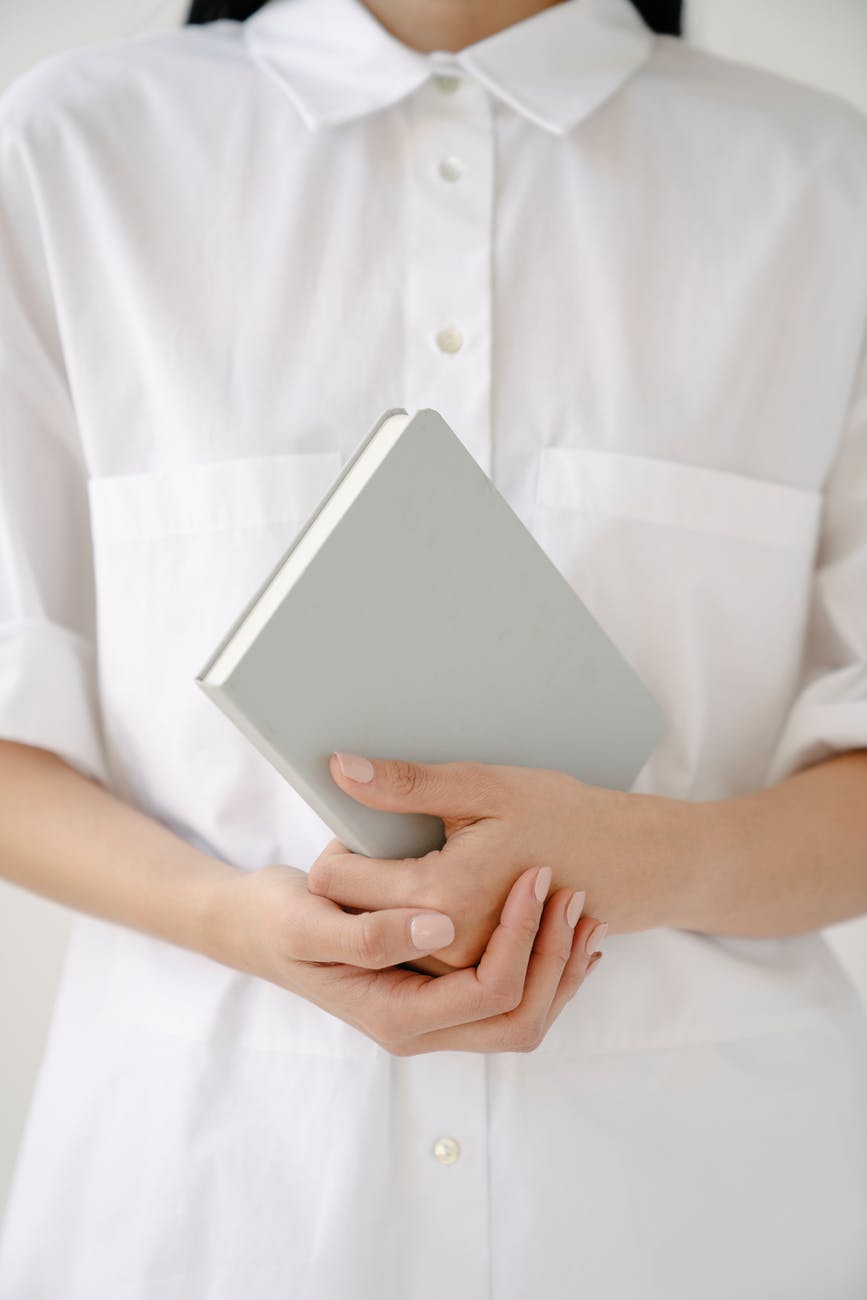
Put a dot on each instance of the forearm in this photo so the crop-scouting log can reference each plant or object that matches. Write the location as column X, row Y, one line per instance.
column 68, row 838
column 778, row 862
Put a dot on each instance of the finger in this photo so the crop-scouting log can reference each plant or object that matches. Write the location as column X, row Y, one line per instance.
column 524, row 1027
column 578, row 967
column 357, row 881
column 373, row 940
column 548, row 960
column 448, row 790
column 416, row 1004
column 519, row 1030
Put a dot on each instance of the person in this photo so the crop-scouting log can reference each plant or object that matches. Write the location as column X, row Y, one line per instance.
column 633, row 279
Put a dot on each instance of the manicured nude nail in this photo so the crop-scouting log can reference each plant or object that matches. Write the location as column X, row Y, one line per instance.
column 355, row 767
column 575, row 908
column 595, row 937
column 431, row 930
column 542, row 883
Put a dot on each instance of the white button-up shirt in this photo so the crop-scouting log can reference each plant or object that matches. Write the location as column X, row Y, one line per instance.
column 633, row 278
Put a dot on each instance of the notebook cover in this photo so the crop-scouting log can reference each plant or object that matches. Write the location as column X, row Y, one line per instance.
column 431, row 626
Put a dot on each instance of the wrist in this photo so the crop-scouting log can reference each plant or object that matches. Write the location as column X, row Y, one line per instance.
column 213, row 911
column 639, row 849
column 688, row 829
column 671, row 832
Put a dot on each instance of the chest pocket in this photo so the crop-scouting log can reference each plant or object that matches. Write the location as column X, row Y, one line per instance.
column 702, row 578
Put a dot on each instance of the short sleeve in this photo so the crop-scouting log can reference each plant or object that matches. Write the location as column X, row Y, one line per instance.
column 48, row 688
column 829, row 713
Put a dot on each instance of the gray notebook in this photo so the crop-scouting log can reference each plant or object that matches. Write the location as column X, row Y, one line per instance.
column 414, row 616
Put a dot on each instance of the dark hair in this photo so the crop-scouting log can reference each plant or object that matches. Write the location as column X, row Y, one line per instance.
column 664, row 16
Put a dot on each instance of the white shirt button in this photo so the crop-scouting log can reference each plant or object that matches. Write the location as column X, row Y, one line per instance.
column 450, row 339
column 447, row 1150
column 446, row 82
column 451, row 169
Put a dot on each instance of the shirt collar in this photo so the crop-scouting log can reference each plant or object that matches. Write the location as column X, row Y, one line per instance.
column 337, row 62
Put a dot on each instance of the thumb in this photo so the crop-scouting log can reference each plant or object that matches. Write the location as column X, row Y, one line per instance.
column 396, row 785
column 374, row 940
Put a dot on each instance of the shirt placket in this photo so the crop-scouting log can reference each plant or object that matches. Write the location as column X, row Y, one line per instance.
column 449, row 223
column 440, row 1100
column 449, row 195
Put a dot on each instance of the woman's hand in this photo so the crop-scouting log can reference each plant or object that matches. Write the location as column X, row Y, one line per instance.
column 626, row 851
column 267, row 922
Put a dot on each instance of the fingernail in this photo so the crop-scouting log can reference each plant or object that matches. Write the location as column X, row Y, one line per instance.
column 575, row 908
column 542, row 883
column 593, row 963
column 431, row 930
column 595, row 937
column 355, row 767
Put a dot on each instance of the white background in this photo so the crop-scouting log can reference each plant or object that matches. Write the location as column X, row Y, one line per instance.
column 823, row 42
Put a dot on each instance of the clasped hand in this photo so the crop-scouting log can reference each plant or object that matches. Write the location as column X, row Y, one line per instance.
column 497, row 821
column 477, row 946
column 459, row 950
column 267, row 923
